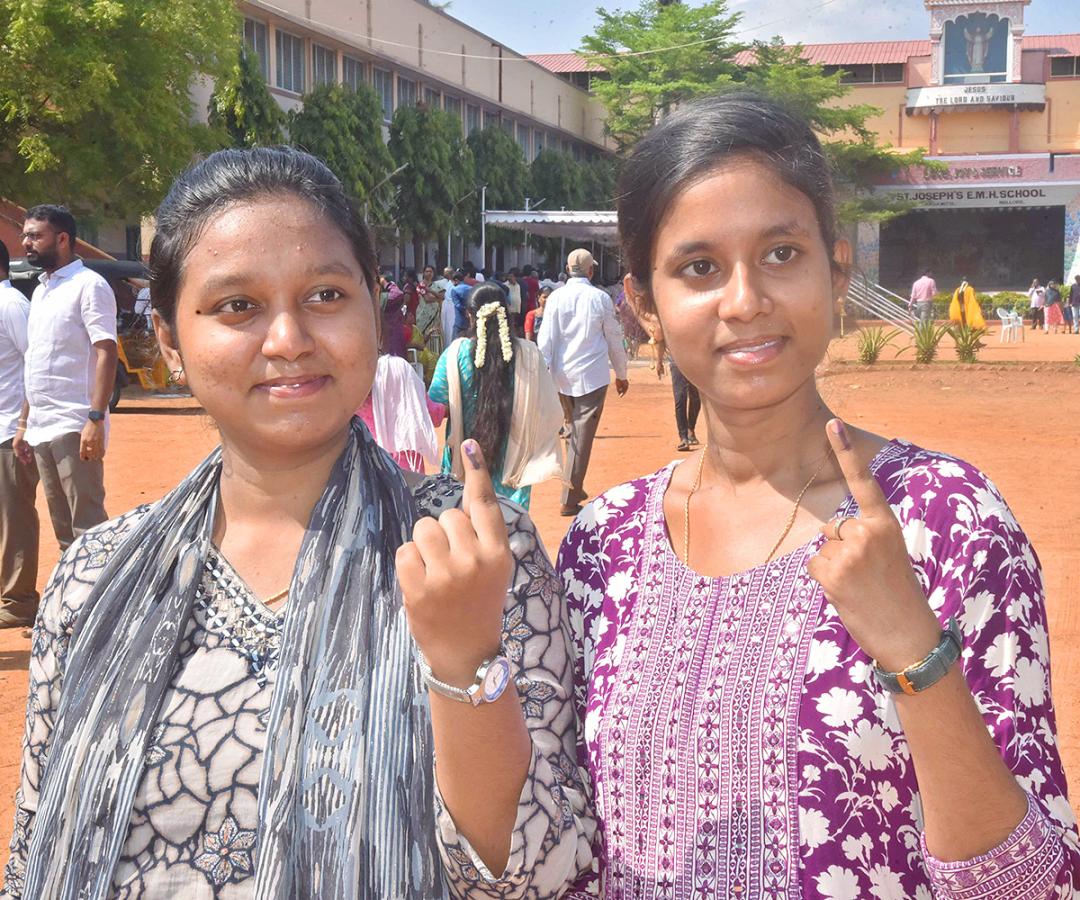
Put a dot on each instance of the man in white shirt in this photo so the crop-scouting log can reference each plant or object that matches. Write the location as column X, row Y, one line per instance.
column 579, row 338
column 19, row 528
column 70, row 367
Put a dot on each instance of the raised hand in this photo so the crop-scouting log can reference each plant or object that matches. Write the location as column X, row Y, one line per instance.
column 866, row 572
column 454, row 575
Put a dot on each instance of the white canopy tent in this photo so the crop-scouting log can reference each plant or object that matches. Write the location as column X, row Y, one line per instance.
column 573, row 225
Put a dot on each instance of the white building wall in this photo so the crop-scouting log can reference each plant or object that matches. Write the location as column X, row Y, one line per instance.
column 429, row 46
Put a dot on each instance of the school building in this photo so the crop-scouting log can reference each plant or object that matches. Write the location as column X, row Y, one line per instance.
column 410, row 52
column 1000, row 110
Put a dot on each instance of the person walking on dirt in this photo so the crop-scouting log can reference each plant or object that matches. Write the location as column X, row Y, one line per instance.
column 579, row 338
column 70, row 369
column 922, row 297
column 19, row 529
column 1036, row 297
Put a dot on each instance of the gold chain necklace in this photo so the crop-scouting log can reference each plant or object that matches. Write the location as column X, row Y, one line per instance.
column 787, row 528
column 280, row 595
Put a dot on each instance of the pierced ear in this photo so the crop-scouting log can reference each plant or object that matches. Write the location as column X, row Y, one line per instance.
column 166, row 338
column 635, row 296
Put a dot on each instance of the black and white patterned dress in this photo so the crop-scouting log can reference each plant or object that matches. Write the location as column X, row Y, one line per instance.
column 192, row 832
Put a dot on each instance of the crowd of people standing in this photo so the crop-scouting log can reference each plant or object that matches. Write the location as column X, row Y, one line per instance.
column 1050, row 309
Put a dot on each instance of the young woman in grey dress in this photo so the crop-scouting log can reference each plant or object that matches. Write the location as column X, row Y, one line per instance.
column 224, row 699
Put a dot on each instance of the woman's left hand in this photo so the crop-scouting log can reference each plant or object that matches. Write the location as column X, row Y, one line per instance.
column 866, row 572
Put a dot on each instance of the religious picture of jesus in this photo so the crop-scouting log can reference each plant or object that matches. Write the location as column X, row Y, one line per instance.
column 978, row 44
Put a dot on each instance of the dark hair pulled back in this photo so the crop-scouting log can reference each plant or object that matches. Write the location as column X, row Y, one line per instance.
column 238, row 176
column 494, row 380
column 700, row 138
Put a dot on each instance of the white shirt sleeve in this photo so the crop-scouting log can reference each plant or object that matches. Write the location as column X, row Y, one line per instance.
column 15, row 316
column 98, row 305
column 545, row 340
column 613, row 334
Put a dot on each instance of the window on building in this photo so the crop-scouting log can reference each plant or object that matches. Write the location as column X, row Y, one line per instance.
column 539, row 143
column 1065, row 66
column 384, row 87
column 256, row 39
column 507, row 125
column 575, row 151
column 452, row 105
column 323, row 65
column 432, row 98
column 881, row 73
column 473, row 122
column 523, row 139
column 290, row 62
column 889, row 73
column 491, row 120
column 352, row 72
column 406, row 92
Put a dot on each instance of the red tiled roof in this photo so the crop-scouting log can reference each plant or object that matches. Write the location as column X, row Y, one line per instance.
column 885, row 52
column 564, row 62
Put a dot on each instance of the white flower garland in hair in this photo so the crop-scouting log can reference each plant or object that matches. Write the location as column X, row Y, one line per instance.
column 482, row 315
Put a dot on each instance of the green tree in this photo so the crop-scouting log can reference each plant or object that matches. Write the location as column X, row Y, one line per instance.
column 640, row 88
column 599, row 177
column 780, row 72
column 343, row 127
column 685, row 52
column 243, row 108
column 558, row 179
column 501, row 168
column 95, row 100
column 435, row 171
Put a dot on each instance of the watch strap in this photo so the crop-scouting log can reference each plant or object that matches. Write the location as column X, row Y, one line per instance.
column 95, row 416
column 928, row 671
column 473, row 695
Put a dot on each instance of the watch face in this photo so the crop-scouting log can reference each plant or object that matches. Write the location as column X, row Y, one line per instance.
column 496, row 678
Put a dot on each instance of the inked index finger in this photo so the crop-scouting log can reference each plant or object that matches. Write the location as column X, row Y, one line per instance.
column 479, row 501
column 862, row 484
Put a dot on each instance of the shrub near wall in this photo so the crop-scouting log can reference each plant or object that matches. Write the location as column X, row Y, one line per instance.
column 988, row 303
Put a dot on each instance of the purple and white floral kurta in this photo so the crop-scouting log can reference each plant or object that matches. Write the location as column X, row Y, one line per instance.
column 739, row 745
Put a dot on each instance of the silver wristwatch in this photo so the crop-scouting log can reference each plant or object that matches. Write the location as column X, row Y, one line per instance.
column 492, row 679
column 929, row 670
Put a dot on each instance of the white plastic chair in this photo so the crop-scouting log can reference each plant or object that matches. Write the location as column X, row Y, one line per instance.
column 1018, row 323
column 1008, row 326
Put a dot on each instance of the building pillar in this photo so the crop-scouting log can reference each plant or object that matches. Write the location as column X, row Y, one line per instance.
column 933, row 132
column 868, row 249
column 1072, row 240
column 1014, row 130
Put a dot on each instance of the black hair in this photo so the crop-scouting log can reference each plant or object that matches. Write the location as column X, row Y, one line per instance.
column 469, row 267
column 5, row 258
column 528, row 270
column 494, row 380
column 59, row 217
column 410, row 274
column 700, row 138
column 237, row 176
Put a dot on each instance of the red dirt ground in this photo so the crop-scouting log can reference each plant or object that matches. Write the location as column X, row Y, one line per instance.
column 1017, row 420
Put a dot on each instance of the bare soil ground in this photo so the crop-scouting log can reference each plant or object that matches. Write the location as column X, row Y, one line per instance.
column 1018, row 420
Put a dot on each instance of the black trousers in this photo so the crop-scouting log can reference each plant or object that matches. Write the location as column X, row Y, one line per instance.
column 687, row 402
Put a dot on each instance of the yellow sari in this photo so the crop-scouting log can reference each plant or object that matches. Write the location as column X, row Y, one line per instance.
column 964, row 308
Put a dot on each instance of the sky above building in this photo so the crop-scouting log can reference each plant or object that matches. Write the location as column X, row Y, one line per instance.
column 555, row 26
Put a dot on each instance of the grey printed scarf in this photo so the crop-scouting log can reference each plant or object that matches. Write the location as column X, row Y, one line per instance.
column 346, row 793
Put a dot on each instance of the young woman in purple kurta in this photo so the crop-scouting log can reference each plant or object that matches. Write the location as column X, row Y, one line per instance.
column 739, row 743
